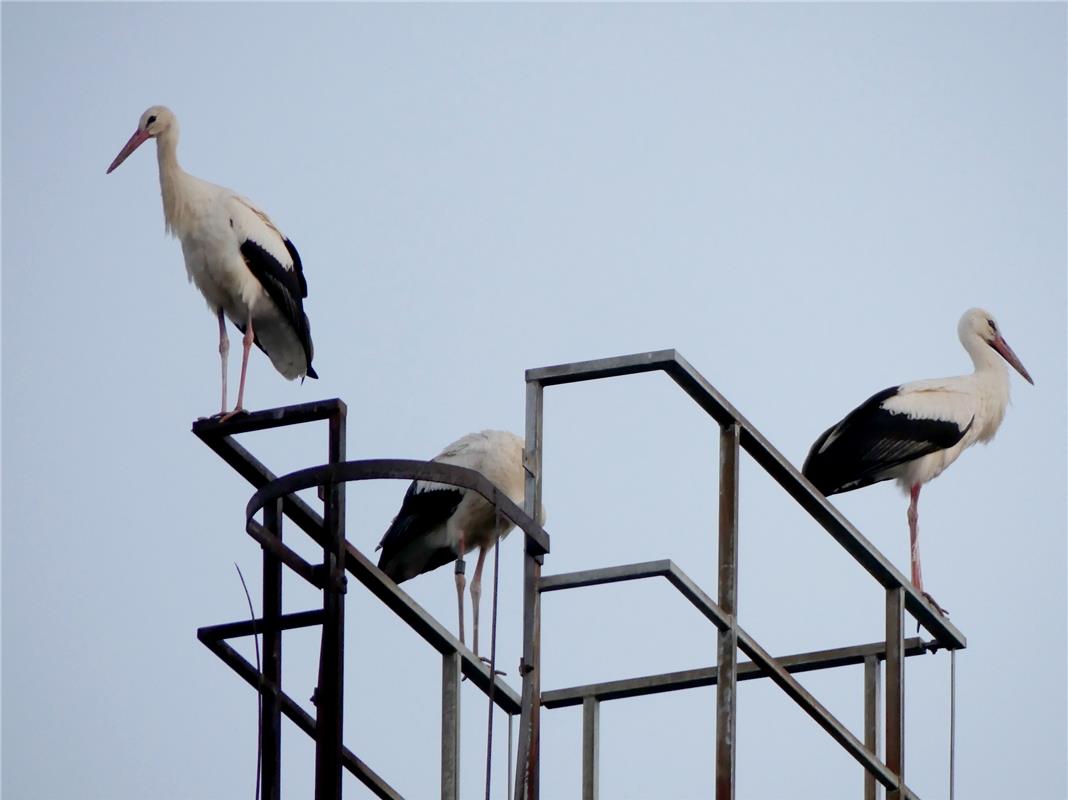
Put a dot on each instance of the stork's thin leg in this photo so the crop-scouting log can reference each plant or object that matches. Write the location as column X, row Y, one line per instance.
column 914, row 539
column 461, row 582
column 224, row 352
column 246, row 344
column 476, row 595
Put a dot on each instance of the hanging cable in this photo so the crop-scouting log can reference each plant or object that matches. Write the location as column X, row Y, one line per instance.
column 259, row 672
column 493, row 649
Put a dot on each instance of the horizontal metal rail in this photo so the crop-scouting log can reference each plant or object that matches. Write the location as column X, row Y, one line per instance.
column 707, row 676
column 631, row 572
column 250, row 627
column 773, row 462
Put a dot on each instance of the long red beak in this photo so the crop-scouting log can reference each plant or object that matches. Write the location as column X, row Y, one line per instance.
column 138, row 139
column 1002, row 347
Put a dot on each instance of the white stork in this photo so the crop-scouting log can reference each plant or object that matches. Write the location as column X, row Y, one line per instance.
column 244, row 266
column 438, row 523
column 914, row 431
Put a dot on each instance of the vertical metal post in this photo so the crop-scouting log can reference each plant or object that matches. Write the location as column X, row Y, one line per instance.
column 726, row 683
column 873, row 675
column 270, row 702
column 450, row 726
column 895, row 686
column 329, row 693
column 591, row 735
column 526, row 775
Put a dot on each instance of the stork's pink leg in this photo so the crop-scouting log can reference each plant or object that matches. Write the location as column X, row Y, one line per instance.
column 476, row 595
column 914, row 539
column 246, row 345
column 224, row 352
column 461, row 582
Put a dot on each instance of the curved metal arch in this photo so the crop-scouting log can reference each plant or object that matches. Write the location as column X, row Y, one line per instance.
column 537, row 540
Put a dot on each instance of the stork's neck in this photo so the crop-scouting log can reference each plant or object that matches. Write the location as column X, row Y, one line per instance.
column 171, row 180
column 989, row 364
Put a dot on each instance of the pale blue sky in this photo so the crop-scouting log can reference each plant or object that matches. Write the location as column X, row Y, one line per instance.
column 802, row 199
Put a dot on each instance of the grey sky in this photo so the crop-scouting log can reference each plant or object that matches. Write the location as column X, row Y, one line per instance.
column 802, row 199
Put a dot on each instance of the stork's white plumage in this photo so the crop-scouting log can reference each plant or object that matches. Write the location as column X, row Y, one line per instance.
column 912, row 432
column 244, row 266
column 438, row 524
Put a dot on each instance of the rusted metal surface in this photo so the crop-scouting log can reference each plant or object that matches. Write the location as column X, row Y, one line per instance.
column 895, row 688
column 872, row 717
column 271, row 707
column 727, row 650
column 707, row 676
column 591, row 735
column 528, row 753
column 330, row 691
column 450, row 726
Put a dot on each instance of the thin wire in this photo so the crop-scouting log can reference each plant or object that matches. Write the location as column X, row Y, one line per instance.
column 493, row 648
column 259, row 670
column 952, row 720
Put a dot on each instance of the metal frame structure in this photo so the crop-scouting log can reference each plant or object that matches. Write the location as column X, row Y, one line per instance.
column 276, row 498
column 736, row 433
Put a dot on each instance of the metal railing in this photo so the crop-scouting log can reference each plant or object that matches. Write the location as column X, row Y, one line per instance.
column 736, row 434
column 275, row 498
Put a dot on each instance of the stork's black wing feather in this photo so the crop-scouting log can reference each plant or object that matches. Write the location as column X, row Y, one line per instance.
column 407, row 550
column 287, row 288
column 863, row 448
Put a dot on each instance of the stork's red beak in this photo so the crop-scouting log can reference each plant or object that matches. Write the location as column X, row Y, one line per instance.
column 1002, row 347
column 136, row 141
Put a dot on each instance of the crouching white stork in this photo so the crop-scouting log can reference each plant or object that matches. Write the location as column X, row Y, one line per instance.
column 244, row 266
column 438, row 523
column 914, row 431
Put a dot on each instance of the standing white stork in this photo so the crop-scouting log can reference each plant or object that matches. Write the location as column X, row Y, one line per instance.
column 438, row 523
column 244, row 266
column 914, row 431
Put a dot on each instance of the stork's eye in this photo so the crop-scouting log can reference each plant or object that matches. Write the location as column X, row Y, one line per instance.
column 153, row 119
column 993, row 326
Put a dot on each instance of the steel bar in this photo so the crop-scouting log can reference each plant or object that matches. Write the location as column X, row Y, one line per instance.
column 528, row 754
column 872, row 718
column 773, row 462
column 229, row 630
column 591, row 734
column 630, row 572
column 211, row 427
column 727, row 660
column 271, row 708
column 707, row 676
column 811, row 706
column 302, row 719
column 895, row 688
column 283, row 553
column 329, row 693
column 450, row 726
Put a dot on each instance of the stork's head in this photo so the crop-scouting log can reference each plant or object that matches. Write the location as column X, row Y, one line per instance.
column 978, row 327
column 156, row 121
